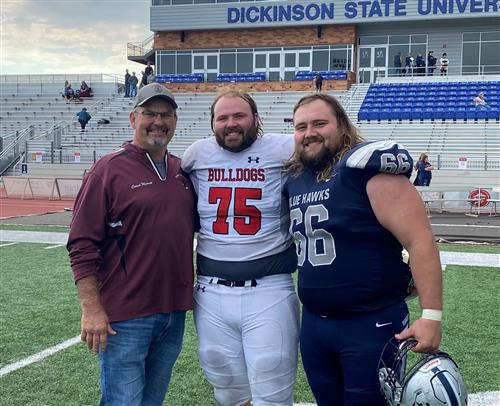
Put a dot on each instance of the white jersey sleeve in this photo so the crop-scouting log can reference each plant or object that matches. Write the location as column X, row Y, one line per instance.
column 243, row 214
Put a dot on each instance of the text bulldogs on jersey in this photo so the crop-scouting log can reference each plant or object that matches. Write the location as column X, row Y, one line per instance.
column 310, row 197
column 236, row 175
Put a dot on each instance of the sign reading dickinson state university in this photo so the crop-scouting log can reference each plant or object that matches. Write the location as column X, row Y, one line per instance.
column 356, row 10
column 303, row 12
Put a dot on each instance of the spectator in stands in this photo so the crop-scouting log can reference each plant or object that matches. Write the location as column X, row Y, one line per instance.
column 444, row 62
column 424, row 171
column 318, row 82
column 398, row 62
column 85, row 90
column 431, row 63
column 127, row 83
column 69, row 93
column 480, row 101
column 151, row 78
column 133, row 85
column 83, row 118
column 420, row 63
column 134, row 279
column 148, row 70
column 409, row 60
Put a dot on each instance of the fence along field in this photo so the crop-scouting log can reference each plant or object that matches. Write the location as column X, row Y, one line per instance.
column 39, row 309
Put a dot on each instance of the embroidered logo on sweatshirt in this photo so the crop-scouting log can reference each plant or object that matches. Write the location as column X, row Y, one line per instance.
column 135, row 186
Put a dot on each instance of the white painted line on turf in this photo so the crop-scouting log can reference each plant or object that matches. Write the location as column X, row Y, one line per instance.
column 7, row 244
column 469, row 259
column 40, row 356
column 54, row 246
column 34, row 236
column 464, row 225
column 475, row 399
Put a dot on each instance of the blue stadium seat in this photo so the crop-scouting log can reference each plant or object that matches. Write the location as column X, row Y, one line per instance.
column 385, row 113
column 482, row 114
column 374, row 114
column 417, row 113
column 460, row 113
column 470, row 113
column 438, row 113
column 493, row 114
column 362, row 115
column 450, row 113
column 405, row 113
column 427, row 113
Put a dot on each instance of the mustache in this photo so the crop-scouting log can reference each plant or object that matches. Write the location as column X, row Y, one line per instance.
column 312, row 139
column 158, row 128
column 233, row 129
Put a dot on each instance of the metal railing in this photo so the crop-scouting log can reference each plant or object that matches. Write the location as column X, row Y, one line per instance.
column 481, row 72
column 140, row 48
column 15, row 147
column 61, row 77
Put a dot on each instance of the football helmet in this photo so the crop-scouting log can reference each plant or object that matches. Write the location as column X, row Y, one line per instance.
column 433, row 380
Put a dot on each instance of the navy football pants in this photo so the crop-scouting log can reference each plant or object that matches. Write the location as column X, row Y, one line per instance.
column 340, row 354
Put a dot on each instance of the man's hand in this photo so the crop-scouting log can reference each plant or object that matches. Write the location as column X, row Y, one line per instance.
column 94, row 330
column 95, row 325
column 426, row 332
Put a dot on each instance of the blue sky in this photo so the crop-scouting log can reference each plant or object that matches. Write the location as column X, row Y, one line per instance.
column 69, row 36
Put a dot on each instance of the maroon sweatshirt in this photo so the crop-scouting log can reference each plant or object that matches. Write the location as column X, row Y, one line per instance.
column 134, row 232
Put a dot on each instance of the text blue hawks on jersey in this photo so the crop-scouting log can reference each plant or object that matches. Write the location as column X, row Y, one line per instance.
column 347, row 261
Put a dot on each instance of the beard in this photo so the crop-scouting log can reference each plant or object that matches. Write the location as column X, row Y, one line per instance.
column 156, row 141
column 248, row 138
column 317, row 162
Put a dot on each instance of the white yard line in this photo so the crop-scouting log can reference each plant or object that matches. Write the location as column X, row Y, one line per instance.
column 39, row 356
column 34, row 236
column 475, row 399
column 7, row 244
column 464, row 225
column 54, row 246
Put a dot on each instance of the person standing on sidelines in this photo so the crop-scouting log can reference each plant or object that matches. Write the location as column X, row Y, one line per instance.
column 246, row 309
column 127, row 83
column 131, row 252
column 424, row 171
column 352, row 208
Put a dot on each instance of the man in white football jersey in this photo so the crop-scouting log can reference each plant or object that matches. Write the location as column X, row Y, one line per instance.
column 246, row 309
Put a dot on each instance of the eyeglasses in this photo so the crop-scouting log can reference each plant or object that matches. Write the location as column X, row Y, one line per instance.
column 151, row 115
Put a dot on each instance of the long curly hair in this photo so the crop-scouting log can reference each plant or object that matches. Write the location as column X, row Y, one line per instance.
column 241, row 95
column 350, row 136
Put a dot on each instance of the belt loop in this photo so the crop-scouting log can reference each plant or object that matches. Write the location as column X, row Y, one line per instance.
column 254, row 283
column 211, row 280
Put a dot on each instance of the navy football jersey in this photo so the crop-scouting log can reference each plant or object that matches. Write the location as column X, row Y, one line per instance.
column 347, row 261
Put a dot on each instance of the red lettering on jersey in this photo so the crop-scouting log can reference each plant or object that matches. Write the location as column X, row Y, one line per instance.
column 236, row 175
column 262, row 175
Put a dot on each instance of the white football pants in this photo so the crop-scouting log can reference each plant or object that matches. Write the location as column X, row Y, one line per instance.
column 248, row 339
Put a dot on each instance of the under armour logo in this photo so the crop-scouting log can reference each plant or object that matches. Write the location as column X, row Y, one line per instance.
column 256, row 160
column 202, row 288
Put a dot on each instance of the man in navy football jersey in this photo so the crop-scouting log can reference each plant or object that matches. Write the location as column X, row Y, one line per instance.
column 352, row 209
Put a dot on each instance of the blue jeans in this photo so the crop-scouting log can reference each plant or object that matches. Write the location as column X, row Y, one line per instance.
column 133, row 91
column 138, row 361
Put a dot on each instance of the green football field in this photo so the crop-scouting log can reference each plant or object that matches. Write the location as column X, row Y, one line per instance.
column 39, row 309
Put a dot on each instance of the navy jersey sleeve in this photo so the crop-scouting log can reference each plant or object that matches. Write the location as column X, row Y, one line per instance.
column 380, row 157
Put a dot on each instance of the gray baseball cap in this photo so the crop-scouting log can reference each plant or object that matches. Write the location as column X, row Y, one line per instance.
column 148, row 92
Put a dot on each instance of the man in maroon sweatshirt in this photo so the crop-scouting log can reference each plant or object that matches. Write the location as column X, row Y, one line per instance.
column 131, row 252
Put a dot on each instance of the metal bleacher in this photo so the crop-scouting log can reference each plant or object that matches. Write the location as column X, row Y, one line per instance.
column 56, row 126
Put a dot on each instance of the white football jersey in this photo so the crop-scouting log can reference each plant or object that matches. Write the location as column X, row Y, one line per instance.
column 243, row 215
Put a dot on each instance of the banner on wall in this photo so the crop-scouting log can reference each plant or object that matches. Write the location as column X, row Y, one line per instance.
column 77, row 157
